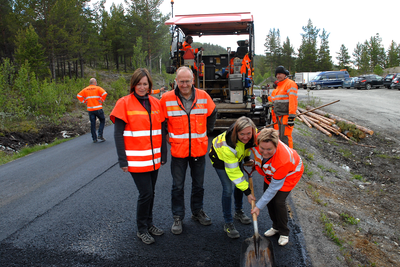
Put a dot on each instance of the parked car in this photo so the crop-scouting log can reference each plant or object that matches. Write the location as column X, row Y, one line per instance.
column 329, row 79
column 396, row 82
column 349, row 82
column 368, row 81
column 389, row 79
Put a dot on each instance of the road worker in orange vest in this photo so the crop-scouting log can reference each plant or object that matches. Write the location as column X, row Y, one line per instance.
column 282, row 169
column 284, row 101
column 190, row 115
column 93, row 96
column 140, row 139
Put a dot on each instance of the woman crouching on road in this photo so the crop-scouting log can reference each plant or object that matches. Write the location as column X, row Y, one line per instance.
column 141, row 146
column 282, row 168
column 228, row 151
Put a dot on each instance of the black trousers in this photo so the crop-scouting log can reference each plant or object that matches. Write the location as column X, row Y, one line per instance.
column 146, row 184
column 278, row 211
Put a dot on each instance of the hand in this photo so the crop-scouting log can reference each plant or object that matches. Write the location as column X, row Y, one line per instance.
column 249, row 163
column 124, row 169
column 290, row 122
column 251, row 198
column 201, row 48
column 162, row 89
column 256, row 211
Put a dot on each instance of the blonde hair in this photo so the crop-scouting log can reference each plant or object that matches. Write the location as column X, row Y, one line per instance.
column 268, row 135
column 240, row 124
column 137, row 76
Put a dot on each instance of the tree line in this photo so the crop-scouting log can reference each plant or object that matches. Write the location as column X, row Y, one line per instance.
column 314, row 53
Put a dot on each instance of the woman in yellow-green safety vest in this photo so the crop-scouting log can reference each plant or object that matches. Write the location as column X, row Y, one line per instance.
column 227, row 153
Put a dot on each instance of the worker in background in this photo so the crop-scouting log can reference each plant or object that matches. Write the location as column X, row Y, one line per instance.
column 190, row 115
column 284, row 101
column 282, row 169
column 187, row 44
column 156, row 91
column 228, row 151
column 141, row 146
column 93, row 96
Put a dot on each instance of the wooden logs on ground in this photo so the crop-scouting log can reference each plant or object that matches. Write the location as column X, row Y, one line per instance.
column 329, row 123
column 337, row 118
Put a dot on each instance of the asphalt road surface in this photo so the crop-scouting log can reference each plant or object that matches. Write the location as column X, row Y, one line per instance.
column 71, row 205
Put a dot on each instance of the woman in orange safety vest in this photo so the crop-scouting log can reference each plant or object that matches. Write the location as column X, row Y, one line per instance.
column 282, row 168
column 141, row 146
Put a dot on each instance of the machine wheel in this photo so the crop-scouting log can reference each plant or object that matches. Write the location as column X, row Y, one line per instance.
column 318, row 87
column 368, row 86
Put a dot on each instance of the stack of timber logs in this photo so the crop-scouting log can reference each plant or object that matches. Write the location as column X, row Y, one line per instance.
column 330, row 124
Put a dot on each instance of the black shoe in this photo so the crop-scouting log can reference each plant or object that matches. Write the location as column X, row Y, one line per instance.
column 239, row 215
column 102, row 138
column 95, row 141
column 154, row 230
column 230, row 230
column 202, row 217
column 146, row 238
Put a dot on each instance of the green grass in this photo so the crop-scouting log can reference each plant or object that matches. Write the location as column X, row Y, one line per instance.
column 349, row 219
column 5, row 158
column 346, row 153
column 329, row 231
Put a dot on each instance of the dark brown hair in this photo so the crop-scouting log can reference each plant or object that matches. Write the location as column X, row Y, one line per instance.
column 137, row 76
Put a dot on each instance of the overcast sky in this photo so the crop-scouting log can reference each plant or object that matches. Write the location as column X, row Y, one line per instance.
column 348, row 22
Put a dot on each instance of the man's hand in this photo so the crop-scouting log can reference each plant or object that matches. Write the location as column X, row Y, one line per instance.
column 290, row 122
column 124, row 169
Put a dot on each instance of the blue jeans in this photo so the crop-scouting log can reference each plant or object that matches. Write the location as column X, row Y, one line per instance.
column 228, row 187
column 178, row 171
column 92, row 116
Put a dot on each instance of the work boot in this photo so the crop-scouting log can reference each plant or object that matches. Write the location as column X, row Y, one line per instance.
column 102, row 138
column 146, row 238
column 271, row 232
column 230, row 230
column 177, row 226
column 202, row 217
column 239, row 215
column 154, row 230
column 283, row 240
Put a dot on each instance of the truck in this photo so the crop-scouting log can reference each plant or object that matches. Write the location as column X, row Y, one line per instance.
column 221, row 75
column 303, row 78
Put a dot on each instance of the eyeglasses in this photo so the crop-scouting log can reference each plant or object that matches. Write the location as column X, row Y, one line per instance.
column 187, row 82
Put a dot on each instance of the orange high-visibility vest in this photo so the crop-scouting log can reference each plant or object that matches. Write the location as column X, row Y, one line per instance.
column 187, row 132
column 186, row 46
column 284, row 98
column 142, row 135
column 246, row 66
column 285, row 165
column 93, row 96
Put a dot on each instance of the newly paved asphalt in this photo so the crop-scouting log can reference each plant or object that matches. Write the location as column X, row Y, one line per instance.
column 71, row 205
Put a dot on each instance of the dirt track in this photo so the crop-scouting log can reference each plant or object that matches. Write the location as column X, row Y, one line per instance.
column 348, row 198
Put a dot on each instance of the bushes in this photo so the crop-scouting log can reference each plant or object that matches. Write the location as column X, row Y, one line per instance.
column 22, row 95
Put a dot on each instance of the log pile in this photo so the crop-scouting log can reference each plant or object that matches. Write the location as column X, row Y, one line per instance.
column 330, row 124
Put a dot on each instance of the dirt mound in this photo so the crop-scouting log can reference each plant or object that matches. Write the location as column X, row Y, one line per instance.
column 348, row 199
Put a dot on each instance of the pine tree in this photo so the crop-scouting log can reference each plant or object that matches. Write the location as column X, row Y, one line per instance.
column 288, row 59
column 343, row 58
column 393, row 55
column 273, row 49
column 376, row 51
column 29, row 49
column 307, row 59
column 324, row 59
